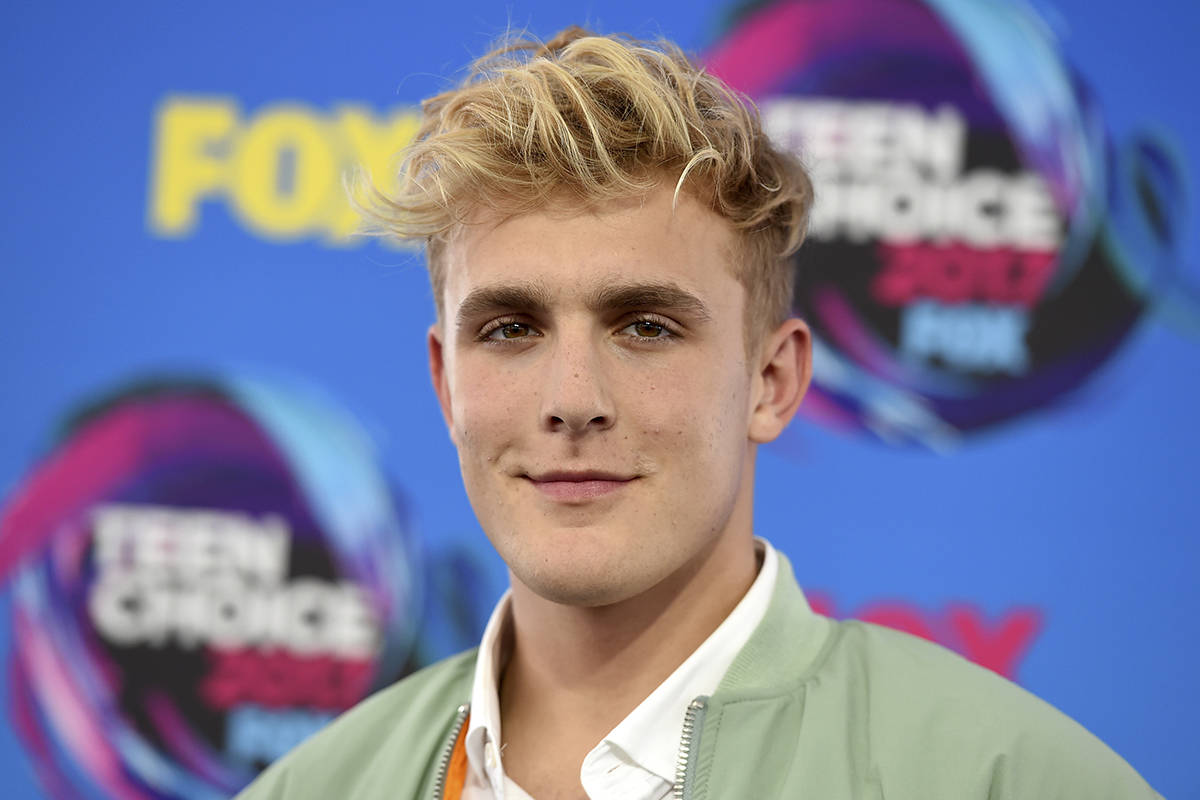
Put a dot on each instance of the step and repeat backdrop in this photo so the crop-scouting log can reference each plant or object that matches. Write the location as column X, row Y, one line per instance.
column 229, row 509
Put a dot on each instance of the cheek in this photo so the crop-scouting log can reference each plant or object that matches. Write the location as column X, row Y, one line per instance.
column 695, row 415
column 486, row 407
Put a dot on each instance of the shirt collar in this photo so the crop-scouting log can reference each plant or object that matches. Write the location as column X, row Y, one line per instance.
column 484, row 728
column 649, row 735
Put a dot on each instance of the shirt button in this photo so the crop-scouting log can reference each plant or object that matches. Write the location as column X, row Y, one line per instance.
column 491, row 756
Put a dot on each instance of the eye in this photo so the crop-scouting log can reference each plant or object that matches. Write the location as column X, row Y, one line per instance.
column 647, row 329
column 510, row 330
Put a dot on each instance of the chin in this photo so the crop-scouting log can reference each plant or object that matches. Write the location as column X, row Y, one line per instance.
column 584, row 576
column 566, row 590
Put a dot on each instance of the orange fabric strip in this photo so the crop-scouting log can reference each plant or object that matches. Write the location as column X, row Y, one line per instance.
column 456, row 773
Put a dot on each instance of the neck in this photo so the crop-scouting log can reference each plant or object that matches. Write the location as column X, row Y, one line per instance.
column 578, row 671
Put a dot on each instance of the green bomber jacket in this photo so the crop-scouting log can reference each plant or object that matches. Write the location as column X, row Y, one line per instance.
column 810, row 708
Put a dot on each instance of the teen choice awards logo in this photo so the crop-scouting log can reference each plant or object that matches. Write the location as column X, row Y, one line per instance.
column 979, row 245
column 203, row 573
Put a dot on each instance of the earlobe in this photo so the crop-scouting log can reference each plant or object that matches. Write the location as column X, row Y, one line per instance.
column 785, row 370
column 438, row 373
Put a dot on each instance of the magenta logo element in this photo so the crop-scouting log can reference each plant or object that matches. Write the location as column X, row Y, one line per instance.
column 204, row 572
column 978, row 247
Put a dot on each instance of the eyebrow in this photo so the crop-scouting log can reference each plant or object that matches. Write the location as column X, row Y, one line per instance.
column 651, row 296
column 536, row 298
column 533, row 297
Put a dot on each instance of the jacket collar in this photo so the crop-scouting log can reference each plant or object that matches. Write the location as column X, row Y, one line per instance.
column 784, row 649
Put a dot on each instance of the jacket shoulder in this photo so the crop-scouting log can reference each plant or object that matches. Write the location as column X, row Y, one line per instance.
column 384, row 746
column 925, row 711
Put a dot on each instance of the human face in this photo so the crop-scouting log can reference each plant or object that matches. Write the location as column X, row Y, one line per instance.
column 592, row 368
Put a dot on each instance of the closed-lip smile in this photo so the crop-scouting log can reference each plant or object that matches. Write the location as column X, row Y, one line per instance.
column 578, row 486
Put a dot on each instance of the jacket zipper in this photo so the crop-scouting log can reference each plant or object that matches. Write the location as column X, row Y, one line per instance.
column 692, row 720
column 439, row 783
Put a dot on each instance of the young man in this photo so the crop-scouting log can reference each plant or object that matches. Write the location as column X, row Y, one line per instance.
column 608, row 238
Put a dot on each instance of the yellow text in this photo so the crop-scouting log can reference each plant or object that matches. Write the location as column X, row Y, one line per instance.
column 283, row 172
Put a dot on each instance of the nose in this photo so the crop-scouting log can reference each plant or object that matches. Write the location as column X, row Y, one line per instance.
column 576, row 397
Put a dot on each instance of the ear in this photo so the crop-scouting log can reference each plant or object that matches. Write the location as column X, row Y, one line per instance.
column 437, row 371
column 784, row 372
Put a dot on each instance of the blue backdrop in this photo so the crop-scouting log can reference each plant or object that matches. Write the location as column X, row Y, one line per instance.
column 1074, row 525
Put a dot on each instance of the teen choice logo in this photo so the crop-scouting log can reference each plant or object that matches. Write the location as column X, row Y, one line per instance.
column 204, row 573
column 978, row 246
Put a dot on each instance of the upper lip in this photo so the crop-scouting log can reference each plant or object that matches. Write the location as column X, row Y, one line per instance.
column 578, row 476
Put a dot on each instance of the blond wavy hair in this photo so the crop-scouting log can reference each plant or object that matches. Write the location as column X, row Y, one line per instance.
column 601, row 117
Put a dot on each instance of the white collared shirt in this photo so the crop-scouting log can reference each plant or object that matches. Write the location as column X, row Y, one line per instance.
column 636, row 760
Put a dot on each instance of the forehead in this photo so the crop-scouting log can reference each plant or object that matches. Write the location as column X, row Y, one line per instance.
column 570, row 251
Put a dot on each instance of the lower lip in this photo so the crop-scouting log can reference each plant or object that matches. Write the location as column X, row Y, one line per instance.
column 578, row 491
